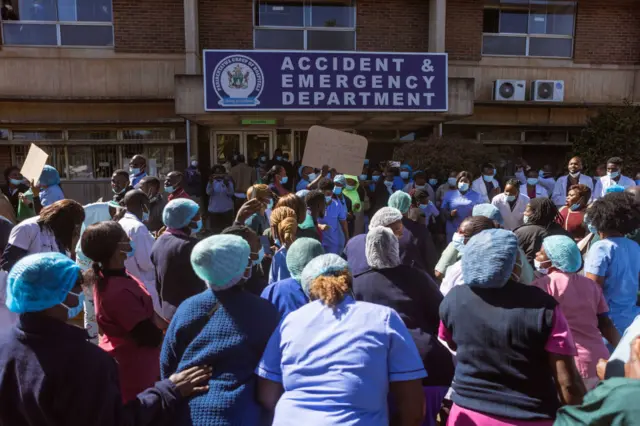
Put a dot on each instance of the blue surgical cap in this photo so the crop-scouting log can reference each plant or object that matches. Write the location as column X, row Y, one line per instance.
column 489, row 258
column 614, row 188
column 300, row 169
column 301, row 252
column 327, row 264
column 406, row 166
column 563, row 253
column 340, row 179
column 385, row 217
column 400, row 200
column 489, row 211
column 302, row 193
column 49, row 176
column 40, row 281
column 221, row 260
column 178, row 213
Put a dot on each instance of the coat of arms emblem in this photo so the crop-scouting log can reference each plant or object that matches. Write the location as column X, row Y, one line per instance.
column 238, row 79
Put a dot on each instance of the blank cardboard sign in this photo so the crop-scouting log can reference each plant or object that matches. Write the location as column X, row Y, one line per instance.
column 340, row 150
column 34, row 163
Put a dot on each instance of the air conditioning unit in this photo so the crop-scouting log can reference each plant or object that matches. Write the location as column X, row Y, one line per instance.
column 509, row 90
column 547, row 90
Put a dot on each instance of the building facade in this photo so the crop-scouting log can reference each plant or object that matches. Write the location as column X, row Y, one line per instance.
column 94, row 82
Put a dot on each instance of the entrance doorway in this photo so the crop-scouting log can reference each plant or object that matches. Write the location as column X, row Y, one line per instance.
column 250, row 144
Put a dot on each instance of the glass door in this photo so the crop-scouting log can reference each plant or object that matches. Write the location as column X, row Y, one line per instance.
column 225, row 145
column 255, row 144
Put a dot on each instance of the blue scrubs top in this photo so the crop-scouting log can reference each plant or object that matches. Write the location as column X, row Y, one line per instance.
column 336, row 365
column 618, row 261
column 454, row 200
column 279, row 270
column 302, row 185
column 286, row 295
column 333, row 238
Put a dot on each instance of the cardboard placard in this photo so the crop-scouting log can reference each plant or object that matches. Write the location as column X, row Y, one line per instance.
column 342, row 151
column 34, row 163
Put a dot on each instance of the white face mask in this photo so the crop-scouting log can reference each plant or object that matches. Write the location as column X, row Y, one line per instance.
column 539, row 268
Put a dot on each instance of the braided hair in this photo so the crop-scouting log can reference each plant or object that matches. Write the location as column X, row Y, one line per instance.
column 543, row 212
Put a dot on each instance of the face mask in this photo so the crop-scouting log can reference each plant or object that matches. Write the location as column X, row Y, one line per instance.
column 423, row 206
column 541, row 173
column 277, row 242
column 312, row 177
column 284, row 180
column 270, row 204
column 404, row 175
column 15, row 182
column 194, row 163
column 131, row 251
column 260, row 257
column 539, row 268
column 525, row 219
column 328, row 175
column 574, row 175
column 488, row 178
column 117, row 192
column 638, row 182
column 433, row 182
column 350, row 188
column 388, row 183
column 337, row 190
column 263, row 159
column 328, row 198
column 592, row 229
column 575, row 207
column 145, row 216
column 511, row 198
column 452, row 181
column 495, row 172
column 613, row 175
column 169, row 189
column 458, row 241
column 366, row 162
column 363, row 177
column 463, row 186
column 286, row 159
column 532, row 181
column 134, row 171
column 375, row 178
column 279, row 158
column 198, row 227
column 73, row 312
column 420, row 186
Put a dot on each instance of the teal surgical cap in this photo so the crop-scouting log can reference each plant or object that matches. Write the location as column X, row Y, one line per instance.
column 40, row 281
column 178, row 213
column 221, row 260
column 301, row 252
column 563, row 253
column 489, row 258
column 49, row 176
column 327, row 264
column 489, row 211
column 302, row 193
column 401, row 201
column 340, row 179
column 614, row 188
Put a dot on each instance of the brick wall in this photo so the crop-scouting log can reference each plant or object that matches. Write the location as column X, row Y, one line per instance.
column 608, row 34
column 392, row 26
column 148, row 26
column 226, row 24
column 463, row 38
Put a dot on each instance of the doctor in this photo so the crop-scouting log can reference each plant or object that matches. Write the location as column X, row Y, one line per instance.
column 613, row 177
column 533, row 188
column 575, row 177
column 486, row 185
column 511, row 204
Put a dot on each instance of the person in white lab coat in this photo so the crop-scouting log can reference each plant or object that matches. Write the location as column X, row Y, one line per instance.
column 613, row 177
column 139, row 265
column 533, row 188
column 511, row 204
column 575, row 177
column 486, row 185
column 546, row 179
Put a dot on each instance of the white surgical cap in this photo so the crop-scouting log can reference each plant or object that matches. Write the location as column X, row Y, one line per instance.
column 382, row 248
column 385, row 217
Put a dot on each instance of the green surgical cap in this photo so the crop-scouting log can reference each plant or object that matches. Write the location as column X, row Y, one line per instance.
column 221, row 260
column 401, row 201
column 563, row 253
column 301, row 252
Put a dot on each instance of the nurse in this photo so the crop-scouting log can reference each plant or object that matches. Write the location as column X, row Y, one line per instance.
column 353, row 359
column 458, row 205
column 285, row 217
column 50, row 190
column 335, row 217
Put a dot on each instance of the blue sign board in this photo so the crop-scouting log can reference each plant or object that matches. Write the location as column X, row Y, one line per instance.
column 266, row 80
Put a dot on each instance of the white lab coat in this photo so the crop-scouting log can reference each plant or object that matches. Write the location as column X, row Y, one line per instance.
column 140, row 265
column 606, row 182
column 479, row 187
column 548, row 183
column 541, row 191
column 559, row 196
column 511, row 218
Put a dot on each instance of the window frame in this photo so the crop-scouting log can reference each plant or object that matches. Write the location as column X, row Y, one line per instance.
column 58, row 23
column 305, row 29
column 528, row 36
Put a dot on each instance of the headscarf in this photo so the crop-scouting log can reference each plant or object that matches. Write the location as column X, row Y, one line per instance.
column 352, row 194
column 327, row 264
column 563, row 253
column 301, row 252
column 385, row 217
column 221, row 260
column 382, row 248
column 489, row 258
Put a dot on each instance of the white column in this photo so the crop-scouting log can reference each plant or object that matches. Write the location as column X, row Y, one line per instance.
column 437, row 25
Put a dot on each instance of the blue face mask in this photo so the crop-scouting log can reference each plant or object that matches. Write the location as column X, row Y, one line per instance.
column 366, row 162
column 117, row 192
column 404, row 175
column 592, row 229
column 363, row 177
column 312, row 177
column 495, row 172
column 532, row 181
column 270, row 204
column 613, row 175
column 488, row 178
column 575, row 207
column 463, row 186
column 145, row 216
column 284, row 179
column 277, row 242
column 328, row 175
column 328, row 198
column 452, row 181
column 15, row 182
column 375, row 178
column 134, row 171
column 638, row 182
column 131, row 251
column 511, row 198
column 419, row 186
column 423, row 206
column 169, row 189
column 458, row 241
column 337, row 190
column 260, row 257
column 279, row 158
column 263, row 159
column 74, row 311
column 433, row 182
column 198, row 227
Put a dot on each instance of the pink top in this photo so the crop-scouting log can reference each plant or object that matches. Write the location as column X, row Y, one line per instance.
column 581, row 301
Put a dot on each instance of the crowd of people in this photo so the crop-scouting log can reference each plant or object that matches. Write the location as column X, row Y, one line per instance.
column 274, row 294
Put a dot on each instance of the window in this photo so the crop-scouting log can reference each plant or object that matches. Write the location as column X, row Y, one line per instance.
column 57, row 23
column 305, row 25
column 157, row 134
column 542, row 28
